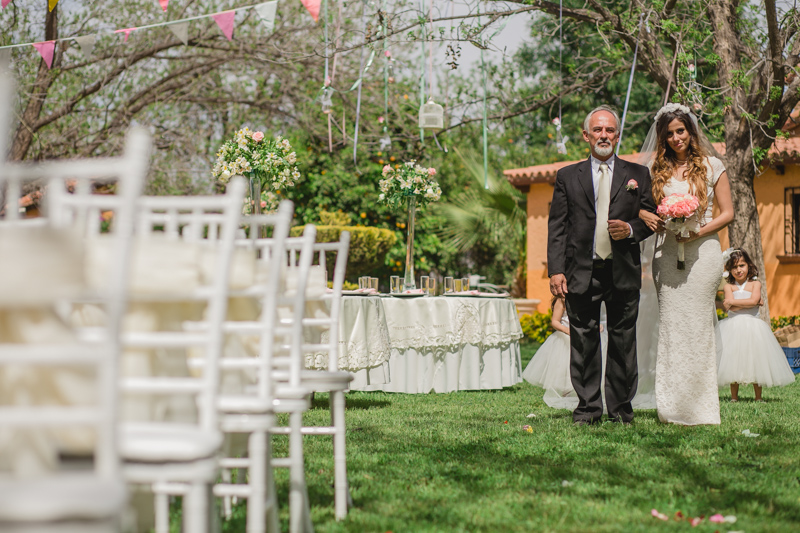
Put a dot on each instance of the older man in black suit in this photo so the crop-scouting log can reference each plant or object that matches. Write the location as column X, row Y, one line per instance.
column 592, row 257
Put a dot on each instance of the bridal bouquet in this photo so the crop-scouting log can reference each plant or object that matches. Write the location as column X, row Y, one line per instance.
column 270, row 162
column 680, row 212
column 409, row 181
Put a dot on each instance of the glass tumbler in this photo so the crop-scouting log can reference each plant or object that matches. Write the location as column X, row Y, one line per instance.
column 423, row 283
column 431, row 286
column 395, row 285
column 373, row 284
column 465, row 284
column 448, row 285
column 363, row 282
column 457, row 285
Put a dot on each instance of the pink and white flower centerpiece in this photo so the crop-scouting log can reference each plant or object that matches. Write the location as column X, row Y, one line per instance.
column 412, row 184
column 271, row 165
column 680, row 215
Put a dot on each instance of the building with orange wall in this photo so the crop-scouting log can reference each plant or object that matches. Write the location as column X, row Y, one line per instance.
column 777, row 191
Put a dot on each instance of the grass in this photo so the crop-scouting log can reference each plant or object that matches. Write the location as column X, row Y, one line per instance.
column 462, row 462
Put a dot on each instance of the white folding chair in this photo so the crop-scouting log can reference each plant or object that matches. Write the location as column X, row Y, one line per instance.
column 333, row 381
column 181, row 457
column 89, row 499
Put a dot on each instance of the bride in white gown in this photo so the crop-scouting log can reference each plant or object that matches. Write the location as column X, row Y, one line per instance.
column 686, row 374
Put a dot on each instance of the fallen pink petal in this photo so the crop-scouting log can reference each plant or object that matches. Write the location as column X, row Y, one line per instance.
column 660, row 516
column 716, row 518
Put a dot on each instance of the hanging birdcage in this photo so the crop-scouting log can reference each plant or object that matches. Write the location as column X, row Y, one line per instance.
column 431, row 116
column 326, row 100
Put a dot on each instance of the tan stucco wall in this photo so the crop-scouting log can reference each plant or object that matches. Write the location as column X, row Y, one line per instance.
column 783, row 280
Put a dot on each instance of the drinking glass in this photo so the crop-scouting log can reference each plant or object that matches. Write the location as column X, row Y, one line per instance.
column 431, row 286
column 363, row 282
column 373, row 284
column 457, row 285
column 423, row 283
column 448, row 285
column 395, row 285
column 465, row 284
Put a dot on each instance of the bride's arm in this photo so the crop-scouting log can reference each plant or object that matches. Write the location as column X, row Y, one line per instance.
column 652, row 220
column 722, row 193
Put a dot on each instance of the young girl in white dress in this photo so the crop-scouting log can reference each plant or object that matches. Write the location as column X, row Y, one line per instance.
column 749, row 351
column 549, row 367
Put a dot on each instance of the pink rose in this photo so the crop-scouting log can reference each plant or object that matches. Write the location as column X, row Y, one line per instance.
column 257, row 136
column 431, row 172
column 632, row 185
column 380, row 120
column 387, row 53
column 387, row 169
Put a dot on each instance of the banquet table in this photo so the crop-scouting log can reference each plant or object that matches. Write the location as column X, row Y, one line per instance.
column 364, row 345
column 451, row 343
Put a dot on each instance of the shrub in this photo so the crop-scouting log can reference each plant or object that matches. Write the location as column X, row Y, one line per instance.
column 721, row 314
column 368, row 246
column 783, row 321
column 537, row 326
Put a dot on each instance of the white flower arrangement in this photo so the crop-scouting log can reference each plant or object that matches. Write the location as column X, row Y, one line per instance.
column 409, row 180
column 671, row 108
column 250, row 154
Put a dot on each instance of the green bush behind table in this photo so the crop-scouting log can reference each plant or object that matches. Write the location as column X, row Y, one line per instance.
column 368, row 247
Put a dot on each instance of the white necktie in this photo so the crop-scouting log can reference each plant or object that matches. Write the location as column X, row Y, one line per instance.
column 602, row 240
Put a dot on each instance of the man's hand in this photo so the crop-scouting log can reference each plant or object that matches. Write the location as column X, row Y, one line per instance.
column 618, row 229
column 558, row 285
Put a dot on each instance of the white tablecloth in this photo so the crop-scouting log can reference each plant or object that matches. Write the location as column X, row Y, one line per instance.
column 364, row 346
column 448, row 343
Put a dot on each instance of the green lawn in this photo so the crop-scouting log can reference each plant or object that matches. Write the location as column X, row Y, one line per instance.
column 462, row 462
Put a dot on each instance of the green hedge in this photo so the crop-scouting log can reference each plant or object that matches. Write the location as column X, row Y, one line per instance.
column 537, row 326
column 368, row 246
column 783, row 321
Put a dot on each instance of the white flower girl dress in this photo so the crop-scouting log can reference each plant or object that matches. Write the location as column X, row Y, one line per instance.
column 749, row 352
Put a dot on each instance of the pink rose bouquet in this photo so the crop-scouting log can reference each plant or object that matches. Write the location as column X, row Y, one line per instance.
column 680, row 214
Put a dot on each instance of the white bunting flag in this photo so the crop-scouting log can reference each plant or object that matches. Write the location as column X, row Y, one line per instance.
column 181, row 31
column 266, row 12
column 86, row 44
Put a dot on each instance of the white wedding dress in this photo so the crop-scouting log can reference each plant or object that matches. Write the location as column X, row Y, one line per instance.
column 686, row 368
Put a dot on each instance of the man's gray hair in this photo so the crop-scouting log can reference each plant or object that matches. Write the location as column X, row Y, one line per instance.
column 597, row 109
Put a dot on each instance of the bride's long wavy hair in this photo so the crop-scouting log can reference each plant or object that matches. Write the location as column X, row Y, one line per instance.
column 666, row 161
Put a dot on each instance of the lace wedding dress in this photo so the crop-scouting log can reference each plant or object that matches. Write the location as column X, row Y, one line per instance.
column 686, row 368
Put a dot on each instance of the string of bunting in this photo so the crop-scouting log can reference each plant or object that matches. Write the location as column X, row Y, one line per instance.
column 266, row 11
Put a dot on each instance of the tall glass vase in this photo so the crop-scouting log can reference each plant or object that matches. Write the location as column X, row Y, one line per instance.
column 409, row 277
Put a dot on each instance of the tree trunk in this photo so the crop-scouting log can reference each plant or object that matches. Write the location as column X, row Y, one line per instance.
column 44, row 79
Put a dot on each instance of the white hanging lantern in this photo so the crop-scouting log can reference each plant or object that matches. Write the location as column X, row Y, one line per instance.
column 327, row 102
column 431, row 116
column 385, row 142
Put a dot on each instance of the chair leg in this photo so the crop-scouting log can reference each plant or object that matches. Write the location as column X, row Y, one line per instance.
column 195, row 509
column 161, row 512
column 256, row 451
column 299, row 509
column 340, row 484
column 227, row 507
column 271, row 499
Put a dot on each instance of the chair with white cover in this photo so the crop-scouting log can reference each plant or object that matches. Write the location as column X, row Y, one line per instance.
column 60, row 387
column 191, row 237
column 331, row 380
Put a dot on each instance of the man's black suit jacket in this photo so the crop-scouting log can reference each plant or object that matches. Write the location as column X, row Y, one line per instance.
column 570, row 235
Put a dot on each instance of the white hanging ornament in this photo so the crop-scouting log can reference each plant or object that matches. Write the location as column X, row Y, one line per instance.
column 385, row 142
column 326, row 100
column 561, row 142
column 431, row 116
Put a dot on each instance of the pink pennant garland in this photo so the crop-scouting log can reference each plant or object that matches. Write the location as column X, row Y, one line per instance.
column 313, row 7
column 164, row 4
column 225, row 22
column 5, row 3
column 46, row 50
column 126, row 31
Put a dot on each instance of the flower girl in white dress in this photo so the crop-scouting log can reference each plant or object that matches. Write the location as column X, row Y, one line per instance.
column 749, row 352
column 549, row 367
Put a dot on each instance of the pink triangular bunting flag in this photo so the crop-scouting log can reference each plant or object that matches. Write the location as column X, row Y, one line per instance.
column 5, row 3
column 46, row 50
column 225, row 22
column 164, row 4
column 313, row 7
column 126, row 31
